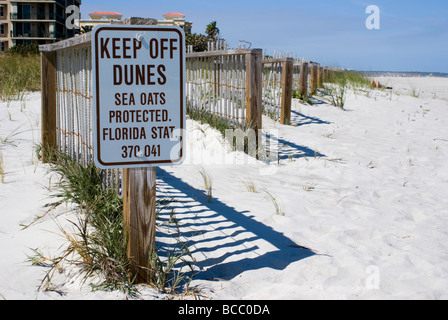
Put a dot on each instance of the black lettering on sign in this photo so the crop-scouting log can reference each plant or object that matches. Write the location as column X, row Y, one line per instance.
column 146, row 75
column 125, row 48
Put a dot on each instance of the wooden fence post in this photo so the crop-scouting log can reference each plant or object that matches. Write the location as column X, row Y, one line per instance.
column 303, row 80
column 287, row 78
column 49, row 85
column 217, row 76
column 254, row 78
column 313, row 80
column 320, row 77
column 139, row 210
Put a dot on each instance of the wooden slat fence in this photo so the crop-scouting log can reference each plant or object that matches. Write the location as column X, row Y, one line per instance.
column 227, row 84
column 233, row 84
column 277, row 88
column 230, row 84
column 68, row 105
column 308, row 77
column 281, row 77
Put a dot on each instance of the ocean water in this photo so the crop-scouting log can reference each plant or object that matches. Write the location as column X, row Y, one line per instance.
column 406, row 74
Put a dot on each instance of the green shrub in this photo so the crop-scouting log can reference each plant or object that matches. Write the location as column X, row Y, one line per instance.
column 24, row 49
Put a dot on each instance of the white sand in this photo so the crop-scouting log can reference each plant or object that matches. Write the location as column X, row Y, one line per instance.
column 362, row 196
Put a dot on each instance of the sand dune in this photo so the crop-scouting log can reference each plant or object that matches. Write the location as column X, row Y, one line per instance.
column 356, row 208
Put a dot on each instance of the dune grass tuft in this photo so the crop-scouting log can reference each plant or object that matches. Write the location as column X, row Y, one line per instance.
column 19, row 73
column 96, row 241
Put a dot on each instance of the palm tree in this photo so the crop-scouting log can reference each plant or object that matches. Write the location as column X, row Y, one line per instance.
column 212, row 31
column 86, row 29
column 198, row 41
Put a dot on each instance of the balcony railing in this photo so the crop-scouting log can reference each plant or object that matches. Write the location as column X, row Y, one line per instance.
column 51, row 16
column 46, row 35
column 60, row 2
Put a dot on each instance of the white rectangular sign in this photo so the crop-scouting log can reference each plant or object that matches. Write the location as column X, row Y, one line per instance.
column 139, row 96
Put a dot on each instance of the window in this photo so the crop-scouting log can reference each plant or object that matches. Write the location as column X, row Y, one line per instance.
column 2, row 29
column 2, row 46
column 41, row 11
column 2, row 10
column 26, row 31
column 25, row 11
column 22, row 29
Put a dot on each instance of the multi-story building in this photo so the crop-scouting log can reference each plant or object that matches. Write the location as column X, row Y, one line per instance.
column 175, row 19
column 106, row 17
column 34, row 21
column 100, row 18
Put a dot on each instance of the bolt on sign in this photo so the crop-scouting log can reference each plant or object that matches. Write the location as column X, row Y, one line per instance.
column 139, row 81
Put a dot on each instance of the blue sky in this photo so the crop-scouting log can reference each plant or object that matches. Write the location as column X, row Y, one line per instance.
column 413, row 35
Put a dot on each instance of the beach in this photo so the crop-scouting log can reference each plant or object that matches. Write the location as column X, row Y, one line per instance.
column 356, row 206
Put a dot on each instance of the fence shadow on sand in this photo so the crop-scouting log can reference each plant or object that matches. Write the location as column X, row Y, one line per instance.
column 224, row 241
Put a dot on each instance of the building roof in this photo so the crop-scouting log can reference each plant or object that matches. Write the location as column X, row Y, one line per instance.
column 104, row 13
column 174, row 14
